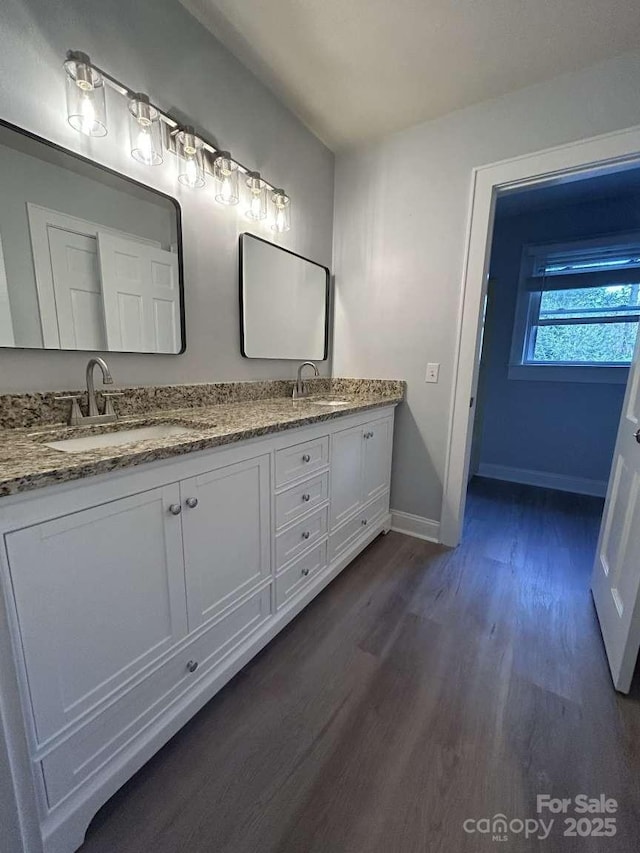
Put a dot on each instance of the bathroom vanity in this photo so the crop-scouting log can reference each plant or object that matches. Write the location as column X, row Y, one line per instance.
column 139, row 578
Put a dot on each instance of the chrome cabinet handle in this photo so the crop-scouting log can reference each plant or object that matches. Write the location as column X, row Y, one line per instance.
column 364, row 521
column 175, row 509
column 305, row 572
column 192, row 665
column 192, row 503
column 637, row 435
column 306, row 457
column 306, row 498
column 368, row 435
column 306, row 534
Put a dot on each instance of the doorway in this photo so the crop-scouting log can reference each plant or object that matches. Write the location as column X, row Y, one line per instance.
column 601, row 156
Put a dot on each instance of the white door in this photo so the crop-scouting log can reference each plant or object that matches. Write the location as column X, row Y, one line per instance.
column 141, row 295
column 376, row 464
column 99, row 594
column 77, row 289
column 346, row 473
column 616, row 575
column 226, row 524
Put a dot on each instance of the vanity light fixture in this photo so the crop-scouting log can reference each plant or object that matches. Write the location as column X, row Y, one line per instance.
column 86, row 108
column 282, row 211
column 151, row 129
column 146, row 133
column 190, row 148
column 225, row 171
column 257, row 208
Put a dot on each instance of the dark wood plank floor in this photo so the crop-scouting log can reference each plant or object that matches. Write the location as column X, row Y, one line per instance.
column 421, row 688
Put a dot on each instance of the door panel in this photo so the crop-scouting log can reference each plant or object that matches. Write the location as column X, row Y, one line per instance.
column 141, row 295
column 615, row 582
column 226, row 535
column 346, row 473
column 377, row 458
column 99, row 594
column 77, row 288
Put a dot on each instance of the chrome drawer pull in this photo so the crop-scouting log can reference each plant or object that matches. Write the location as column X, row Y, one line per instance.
column 192, row 665
column 305, row 572
column 306, row 534
column 306, row 458
column 364, row 521
column 175, row 509
column 192, row 503
column 306, row 498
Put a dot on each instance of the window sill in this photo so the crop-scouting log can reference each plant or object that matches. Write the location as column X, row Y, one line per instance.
column 568, row 373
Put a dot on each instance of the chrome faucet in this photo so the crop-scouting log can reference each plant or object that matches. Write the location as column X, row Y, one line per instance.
column 76, row 418
column 298, row 388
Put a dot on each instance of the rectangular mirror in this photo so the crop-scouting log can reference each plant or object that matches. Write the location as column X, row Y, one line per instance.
column 89, row 259
column 284, row 303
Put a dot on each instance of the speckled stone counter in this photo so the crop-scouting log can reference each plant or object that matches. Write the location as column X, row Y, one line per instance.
column 212, row 415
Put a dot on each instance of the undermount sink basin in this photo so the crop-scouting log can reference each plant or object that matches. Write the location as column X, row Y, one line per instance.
column 336, row 403
column 113, row 439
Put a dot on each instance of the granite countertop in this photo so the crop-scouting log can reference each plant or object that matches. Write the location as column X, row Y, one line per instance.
column 26, row 463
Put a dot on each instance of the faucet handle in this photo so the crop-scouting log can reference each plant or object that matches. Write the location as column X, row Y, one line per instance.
column 108, row 404
column 75, row 415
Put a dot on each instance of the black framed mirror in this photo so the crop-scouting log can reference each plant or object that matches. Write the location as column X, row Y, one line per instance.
column 89, row 258
column 284, row 303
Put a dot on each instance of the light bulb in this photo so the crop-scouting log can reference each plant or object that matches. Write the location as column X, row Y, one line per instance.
column 88, row 113
column 282, row 212
column 257, row 208
column 189, row 148
column 144, row 145
column 225, row 171
column 86, row 108
column 145, row 130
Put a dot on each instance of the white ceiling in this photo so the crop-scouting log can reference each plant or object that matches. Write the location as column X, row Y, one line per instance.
column 353, row 70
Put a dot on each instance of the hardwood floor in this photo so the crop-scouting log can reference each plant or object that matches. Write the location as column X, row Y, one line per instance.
column 422, row 688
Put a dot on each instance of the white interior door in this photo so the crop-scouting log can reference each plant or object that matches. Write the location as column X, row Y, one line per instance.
column 616, row 575
column 77, row 289
column 141, row 295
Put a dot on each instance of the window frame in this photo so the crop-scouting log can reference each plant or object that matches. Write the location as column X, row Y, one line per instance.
column 528, row 310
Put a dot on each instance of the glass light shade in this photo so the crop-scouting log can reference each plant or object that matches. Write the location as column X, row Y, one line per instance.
column 257, row 197
column 225, row 171
column 146, row 132
column 281, row 211
column 190, row 150
column 86, row 107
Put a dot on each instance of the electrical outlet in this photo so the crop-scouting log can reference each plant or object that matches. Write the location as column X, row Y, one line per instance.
column 433, row 372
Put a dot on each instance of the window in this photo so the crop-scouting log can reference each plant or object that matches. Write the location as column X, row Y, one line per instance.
column 578, row 307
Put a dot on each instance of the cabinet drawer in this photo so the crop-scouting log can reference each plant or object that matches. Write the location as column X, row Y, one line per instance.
column 350, row 532
column 297, row 461
column 85, row 752
column 301, row 536
column 300, row 573
column 300, row 499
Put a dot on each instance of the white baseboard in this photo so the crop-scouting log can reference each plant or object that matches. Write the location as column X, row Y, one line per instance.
column 415, row 525
column 560, row 482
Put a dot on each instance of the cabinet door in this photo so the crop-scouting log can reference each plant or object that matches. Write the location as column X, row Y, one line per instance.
column 346, row 473
column 226, row 523
column 99, row 594
column 376, row 466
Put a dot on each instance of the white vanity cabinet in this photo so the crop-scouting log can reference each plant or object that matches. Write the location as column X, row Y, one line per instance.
column 133, row 597
column 361, row 467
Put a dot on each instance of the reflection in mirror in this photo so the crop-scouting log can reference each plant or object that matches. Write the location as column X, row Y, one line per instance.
column 89, row 260
column 284, row 303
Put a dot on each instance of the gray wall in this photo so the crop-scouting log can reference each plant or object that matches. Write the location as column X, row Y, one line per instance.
column 563, row 428
column 402, row 209
column 157, row 47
